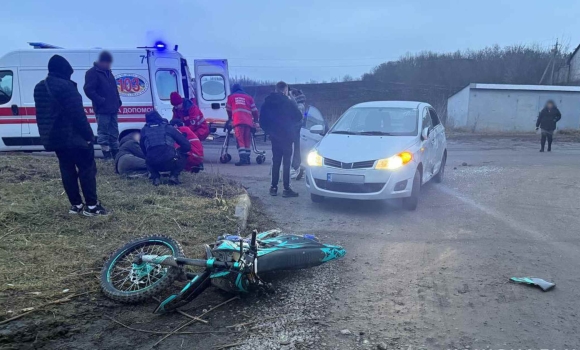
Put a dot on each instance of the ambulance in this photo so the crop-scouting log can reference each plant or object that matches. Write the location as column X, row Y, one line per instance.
column 145, row 78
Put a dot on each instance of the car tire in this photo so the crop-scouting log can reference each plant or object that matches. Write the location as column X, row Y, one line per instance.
column 439, row 177
column 316, row 198
column 410, row 203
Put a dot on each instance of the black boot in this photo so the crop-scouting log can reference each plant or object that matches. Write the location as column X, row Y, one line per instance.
column 244, row 160
column 114, row 153
column 174, row 180
column 107, row 156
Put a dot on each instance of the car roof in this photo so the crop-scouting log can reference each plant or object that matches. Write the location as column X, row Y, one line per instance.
column 392, row 104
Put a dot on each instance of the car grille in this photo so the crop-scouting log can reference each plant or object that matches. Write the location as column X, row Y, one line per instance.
column 367, row 164
column 348, row 187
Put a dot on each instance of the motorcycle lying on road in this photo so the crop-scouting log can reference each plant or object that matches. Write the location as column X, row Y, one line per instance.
column 145, row 267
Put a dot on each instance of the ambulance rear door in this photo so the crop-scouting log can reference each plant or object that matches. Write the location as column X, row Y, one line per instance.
column 12, row 115
column 165, row 75
column 212, row 86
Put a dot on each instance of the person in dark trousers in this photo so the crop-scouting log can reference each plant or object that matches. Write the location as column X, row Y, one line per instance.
column 547, row 120
column 101, row 88
column 64, row 129
column 278, row 117
column 157, row 142
column 130, row 160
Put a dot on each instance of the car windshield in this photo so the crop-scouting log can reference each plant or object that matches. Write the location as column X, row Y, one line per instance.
column 378, row 121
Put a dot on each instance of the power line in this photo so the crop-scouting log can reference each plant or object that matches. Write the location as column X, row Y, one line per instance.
column 332, row 66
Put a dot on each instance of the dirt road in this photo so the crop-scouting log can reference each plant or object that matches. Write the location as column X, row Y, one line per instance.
column 438, row 277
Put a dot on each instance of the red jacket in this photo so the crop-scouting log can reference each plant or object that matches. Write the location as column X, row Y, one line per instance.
column 242, row 109
column 195, row 156
column 192, row 117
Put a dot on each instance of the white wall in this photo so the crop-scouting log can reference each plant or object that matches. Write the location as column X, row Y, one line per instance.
column 457, row 109
column 517, row 110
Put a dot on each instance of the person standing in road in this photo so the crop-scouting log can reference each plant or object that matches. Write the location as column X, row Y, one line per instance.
column 279, row 117
column 547, row 120
column 296, row 171
column 64, row 129
column 101, row 88
column 242, row 113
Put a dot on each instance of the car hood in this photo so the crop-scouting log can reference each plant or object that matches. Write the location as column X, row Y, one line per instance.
column 359, row 148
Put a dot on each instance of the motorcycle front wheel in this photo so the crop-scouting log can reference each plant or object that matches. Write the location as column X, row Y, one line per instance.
column 125, row 281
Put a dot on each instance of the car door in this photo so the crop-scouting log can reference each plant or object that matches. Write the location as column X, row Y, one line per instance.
column 165, row 75
column 439, row 140
column 427, row 145
column 12, row 121
column 308, row 140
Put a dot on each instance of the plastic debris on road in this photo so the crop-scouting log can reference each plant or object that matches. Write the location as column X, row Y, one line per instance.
column 545, row 285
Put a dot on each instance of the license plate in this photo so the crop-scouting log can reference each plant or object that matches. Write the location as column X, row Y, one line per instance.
column 351, row 179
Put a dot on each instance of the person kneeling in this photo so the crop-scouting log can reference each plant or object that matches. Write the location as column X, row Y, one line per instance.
column 130, row 160
column 157, row 142
column 195, row 156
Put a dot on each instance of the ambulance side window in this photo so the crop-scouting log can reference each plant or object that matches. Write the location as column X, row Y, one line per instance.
column 213, row 87
column 6, row 85
column 166, row 81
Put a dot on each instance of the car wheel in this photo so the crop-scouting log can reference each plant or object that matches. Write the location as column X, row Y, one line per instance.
column 439, row 177
column 316, row 198
column 410, row 203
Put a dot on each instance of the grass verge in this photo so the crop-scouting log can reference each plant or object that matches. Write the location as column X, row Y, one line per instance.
column 44, row 250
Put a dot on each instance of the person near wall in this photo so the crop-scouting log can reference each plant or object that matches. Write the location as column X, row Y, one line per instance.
column 157, row 142
column 189, row 113
column 130, row 159
column 296, row 171
column 278, row 118
column 194, row 161
column 242, row 114
column 101, row 88
column 547, row 119
column 64, row 128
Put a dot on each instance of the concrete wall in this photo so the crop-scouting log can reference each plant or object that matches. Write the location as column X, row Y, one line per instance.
column 457, row 109
column 517, row 110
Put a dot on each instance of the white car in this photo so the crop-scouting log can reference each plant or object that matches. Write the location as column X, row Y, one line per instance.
column 378, row 150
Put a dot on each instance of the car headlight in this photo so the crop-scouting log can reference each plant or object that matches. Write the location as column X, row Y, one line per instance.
column 314, row 159
column 394, row 162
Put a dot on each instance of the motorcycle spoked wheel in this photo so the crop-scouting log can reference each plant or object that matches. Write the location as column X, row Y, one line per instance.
column 122, row 281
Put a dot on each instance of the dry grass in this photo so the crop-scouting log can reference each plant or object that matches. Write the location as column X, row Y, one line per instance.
column 45, row 250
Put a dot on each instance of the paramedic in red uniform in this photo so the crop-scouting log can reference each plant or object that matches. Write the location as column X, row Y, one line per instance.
column 243, row 113
column 188, row 112
column 195, row 156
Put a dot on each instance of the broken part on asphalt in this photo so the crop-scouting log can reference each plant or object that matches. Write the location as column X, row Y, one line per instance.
column 545, row 285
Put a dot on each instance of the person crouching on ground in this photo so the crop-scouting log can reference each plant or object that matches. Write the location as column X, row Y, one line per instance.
column 64, row 129
column 242, row 114
column 157, row 142
column 278, row 118
column 189, row 113
column 195, row 156
column 130, row 159
column 547, row 120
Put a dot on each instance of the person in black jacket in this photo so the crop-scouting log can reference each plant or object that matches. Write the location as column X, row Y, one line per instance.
column 157, row 142
column 280, row 118
column 101, row 88
column 130, row 160
column 547, row 120
column 64, row 129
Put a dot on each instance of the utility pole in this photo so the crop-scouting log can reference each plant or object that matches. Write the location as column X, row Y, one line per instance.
column 551, row 62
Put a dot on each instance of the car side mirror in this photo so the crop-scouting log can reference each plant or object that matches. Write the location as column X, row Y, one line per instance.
column 425, row 134
column 317, row 129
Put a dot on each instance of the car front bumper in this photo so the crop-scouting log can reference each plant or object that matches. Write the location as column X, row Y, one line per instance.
column 378, row 184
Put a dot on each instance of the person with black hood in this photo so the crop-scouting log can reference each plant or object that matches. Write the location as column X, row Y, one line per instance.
column 130, row 159
column 157, row 142
column 101, row 88
column 547, row 120
column 279, row 117
column 64, row 129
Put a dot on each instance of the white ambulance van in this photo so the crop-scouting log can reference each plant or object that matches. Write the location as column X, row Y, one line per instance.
column 145, row 79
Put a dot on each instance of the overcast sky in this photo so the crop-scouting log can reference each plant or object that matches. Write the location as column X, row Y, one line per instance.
column 293, row 40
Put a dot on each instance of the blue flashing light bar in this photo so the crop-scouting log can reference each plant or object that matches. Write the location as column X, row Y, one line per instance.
column 39, row 45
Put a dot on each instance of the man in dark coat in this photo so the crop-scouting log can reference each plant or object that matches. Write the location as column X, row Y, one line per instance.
column 280, row 117
column 547, row 120
column 101, row 88
column 64, row 129
column 130, row 160
column 157, row 142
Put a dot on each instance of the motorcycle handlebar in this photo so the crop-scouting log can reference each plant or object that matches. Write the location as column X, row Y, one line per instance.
column 253, row 244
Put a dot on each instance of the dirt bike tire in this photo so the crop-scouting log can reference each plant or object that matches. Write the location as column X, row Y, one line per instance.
column 137, row 296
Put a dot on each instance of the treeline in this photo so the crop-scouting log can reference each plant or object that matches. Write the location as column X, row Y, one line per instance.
column 517, row 64
column 246, row 81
